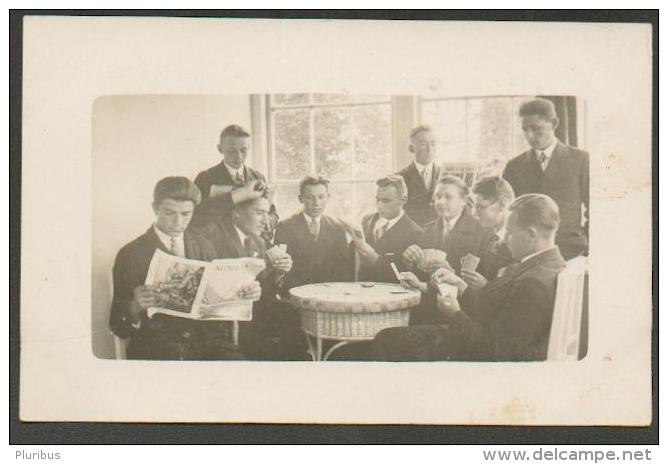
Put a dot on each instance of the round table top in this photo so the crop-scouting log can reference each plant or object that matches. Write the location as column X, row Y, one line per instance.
column 354, row 297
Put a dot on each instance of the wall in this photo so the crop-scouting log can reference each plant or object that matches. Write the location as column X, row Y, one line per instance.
column 137, row 140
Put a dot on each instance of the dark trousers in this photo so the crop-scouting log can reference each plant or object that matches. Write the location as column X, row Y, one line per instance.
column 418, row 343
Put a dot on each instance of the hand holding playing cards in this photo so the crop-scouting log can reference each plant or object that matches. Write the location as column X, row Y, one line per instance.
column 278, row 259
column 446, row 276
column 448, row 305
column 473, row 279
column 413, row 255
column 252, row 291
column 410, row 280
column 249, row 191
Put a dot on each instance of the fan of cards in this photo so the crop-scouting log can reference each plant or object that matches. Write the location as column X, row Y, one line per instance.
column 432, row 258
column 469, row 262
column 276, row 251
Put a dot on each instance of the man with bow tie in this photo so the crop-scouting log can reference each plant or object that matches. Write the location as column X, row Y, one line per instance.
column 385, row 235
column 166, row 337
column 508, row 319
column 556, row 170
column 231, row 182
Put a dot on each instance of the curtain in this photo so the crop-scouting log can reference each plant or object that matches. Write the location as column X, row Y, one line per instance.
column 566, row 112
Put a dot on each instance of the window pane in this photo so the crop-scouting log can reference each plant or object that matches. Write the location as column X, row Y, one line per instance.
column 290, row 99
column 286, row 200
column 372, row 132
column 291, row 135
column 331, row 98
column 488, row 129
column 448, row 118
column 340, row 203
column 365, row 200
column 331, row 131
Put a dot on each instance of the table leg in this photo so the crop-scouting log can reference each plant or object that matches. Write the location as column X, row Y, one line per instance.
column 312, row 348
column 331, row 350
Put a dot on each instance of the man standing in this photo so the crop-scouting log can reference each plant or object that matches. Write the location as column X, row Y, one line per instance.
column 421, row 176
column 387, row 233
column 273, row 334
column 556, row 170
column 508, row 319
column 230, row 182
column 163, row 336
column 317, row 243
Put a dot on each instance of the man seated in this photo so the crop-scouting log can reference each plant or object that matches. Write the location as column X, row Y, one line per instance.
column 456, row 231
column 508, row 319
column 317, row 243
column 387, row 233
column 165, row 337
column 230, row 182
column 493, row 196
column 274, row 333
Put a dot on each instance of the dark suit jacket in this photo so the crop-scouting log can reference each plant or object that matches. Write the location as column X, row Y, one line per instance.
column 465, row 237
column 566, row 181
column 493, row 255
column 509, row 318
column 162, row 337
column 419, row 206
column 220, row 206
column 325, row 260
column 395, row 241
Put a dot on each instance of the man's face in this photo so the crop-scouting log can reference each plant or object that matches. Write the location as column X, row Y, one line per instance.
column 448, row 201
column 314, row 199
column 489, row 213
column 234, row 150
column 538, row 132
column 519, row 241
column 423, row 147
column 173, row 216
column 252, row 218
column 389, row 202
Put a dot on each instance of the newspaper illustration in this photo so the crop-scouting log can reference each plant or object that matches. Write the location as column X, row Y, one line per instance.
column 200, row 290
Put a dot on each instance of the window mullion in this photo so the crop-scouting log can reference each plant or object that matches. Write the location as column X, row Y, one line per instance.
column 311, row 142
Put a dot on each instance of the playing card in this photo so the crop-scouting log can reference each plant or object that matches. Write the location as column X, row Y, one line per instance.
column 470, row 262
column 447, row 289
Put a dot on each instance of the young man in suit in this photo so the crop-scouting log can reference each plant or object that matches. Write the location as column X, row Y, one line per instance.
column 387, row 233
column 165, row 337
column 231, row 182
column 508, row 319
column 274, row 332
column 421, row 176
column 317, row 243
column 556, row 170
column 493, row 196
column 456, row 231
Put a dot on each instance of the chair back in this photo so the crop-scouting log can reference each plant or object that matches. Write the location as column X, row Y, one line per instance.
column 564, row 344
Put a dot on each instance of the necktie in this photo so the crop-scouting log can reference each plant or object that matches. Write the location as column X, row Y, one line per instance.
column 380, row 231
column 446, row 231
column 239, row 179
column 425, row 178
column 314, row 229
column 175, row 247
column 542, row 159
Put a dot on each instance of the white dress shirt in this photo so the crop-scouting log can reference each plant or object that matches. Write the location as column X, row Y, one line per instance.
column 385, row 224
column 235, row 172
column 167, row 240
column 428, row 168
column 548, row 153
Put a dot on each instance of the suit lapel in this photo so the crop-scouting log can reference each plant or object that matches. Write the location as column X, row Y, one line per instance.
column 233, row 237
column 416, row 178
column 435, row 176
column 555, row 161
column 155, row 240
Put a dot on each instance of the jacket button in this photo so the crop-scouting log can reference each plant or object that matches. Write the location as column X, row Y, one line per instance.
column 186, row 334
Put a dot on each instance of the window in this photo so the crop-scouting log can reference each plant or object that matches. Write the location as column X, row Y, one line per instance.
column 346, row 138
column 475, row 130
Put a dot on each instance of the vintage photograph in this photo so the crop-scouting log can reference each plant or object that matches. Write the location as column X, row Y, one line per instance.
column 392, row 227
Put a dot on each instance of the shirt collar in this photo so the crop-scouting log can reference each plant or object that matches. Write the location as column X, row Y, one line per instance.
column 233, row 172
column 167, row 239
column 311, row 218
column 390, row 222
column 453, row 221
column 549, row 150
column 528, row 257
column 501, row 233
column 241, row 234
column 422, row 167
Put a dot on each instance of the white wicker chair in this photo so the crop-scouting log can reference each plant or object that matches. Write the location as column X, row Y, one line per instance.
column 565, row 333
column 472, row 171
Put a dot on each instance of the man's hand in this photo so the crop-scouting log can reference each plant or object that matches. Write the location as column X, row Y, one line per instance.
column 367, row 253
column 448, row 305
column 410, row 280
column 281, row 263
column 436, row 266
column 446, row 276
column 247, row 192
column 473, row 279
column 144, row 298
column 413, row 255
column 252, row 291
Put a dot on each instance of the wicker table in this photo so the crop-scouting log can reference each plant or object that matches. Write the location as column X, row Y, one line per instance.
column 346, row 312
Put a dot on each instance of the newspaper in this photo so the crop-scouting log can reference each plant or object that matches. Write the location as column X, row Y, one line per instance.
column 201, row 290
